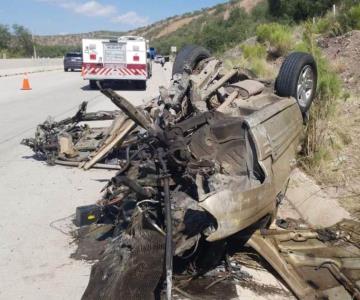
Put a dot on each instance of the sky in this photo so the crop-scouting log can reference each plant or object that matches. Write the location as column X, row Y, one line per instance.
column 44, row 17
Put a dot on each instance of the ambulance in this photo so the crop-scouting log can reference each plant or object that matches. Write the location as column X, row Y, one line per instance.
column 124, row 58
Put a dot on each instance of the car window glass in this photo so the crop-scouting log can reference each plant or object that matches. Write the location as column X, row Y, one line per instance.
column 73, row 55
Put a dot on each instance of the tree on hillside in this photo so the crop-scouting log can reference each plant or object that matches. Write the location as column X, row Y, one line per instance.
column 22, row 40
column 299, row 10
column 5, row 37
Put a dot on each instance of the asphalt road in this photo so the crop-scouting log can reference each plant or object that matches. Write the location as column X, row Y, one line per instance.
column 37, row 200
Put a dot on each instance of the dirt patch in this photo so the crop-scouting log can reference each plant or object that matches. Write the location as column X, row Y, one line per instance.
column 347, row 164
column 175, row 25
column 344, row 53
column 249, row 5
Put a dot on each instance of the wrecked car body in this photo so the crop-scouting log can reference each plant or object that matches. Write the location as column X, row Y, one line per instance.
column 314, row 261
column 208, row 159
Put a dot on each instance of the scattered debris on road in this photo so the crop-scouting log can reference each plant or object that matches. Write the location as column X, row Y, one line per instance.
column 206, row 162
column 312, row 261
column 70, row 142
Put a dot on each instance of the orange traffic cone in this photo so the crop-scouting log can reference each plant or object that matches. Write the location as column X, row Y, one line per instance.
column 26, row 84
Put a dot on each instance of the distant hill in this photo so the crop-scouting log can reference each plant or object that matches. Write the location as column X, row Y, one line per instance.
column 73, row 39
column 152, row 32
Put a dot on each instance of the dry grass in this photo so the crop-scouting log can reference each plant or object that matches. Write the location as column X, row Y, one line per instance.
column 331, row 148
column 349, row 168
column 325, row 140
column 260, row 67
column 339, row 66
column 253, row 57
column 336, row 161
column 277, row 36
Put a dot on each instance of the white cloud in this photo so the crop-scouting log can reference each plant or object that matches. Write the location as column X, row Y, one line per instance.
column 131, row 18
column 94, row 8
column 90, row 8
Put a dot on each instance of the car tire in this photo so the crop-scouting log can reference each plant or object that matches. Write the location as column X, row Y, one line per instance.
column 190, row 55
column 298, row 78
column 93, row 85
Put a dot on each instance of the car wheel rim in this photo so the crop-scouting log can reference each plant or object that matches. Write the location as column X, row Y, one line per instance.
column 305, row 86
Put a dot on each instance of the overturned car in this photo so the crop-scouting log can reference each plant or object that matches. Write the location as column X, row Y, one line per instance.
column 208, row 159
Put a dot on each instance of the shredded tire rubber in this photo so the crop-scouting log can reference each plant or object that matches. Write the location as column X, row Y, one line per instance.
column 130, row 268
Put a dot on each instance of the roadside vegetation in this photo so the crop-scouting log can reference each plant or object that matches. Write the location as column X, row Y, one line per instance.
column 253, row 58
column 324, row 135
column 278, row 36
column 219, row 30
column 289, row 29
column 215, row 31
column 346, row 20
column 16, row 41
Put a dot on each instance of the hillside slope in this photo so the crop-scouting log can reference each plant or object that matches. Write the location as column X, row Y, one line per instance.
column 73, row 39
column 168, row 26
column 155, row 31
column 343, row 52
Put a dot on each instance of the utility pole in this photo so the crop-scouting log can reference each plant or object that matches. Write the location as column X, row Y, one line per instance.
column 34, row 48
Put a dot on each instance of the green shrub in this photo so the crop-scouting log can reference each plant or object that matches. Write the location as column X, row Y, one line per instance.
column 219, row 9
column 347, row 19
column 261, row 68
column 253, row 58
column 55, row 51
column 260, row 12
column 254, row 51
column 325, row 25
column 277, row 35
column 354, row 17
column 300, row 10
column 5, row 36
column 329, row 83
column 350, row 19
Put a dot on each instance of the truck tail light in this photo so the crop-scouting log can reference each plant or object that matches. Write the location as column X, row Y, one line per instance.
column 93, row 56
column 136, row 58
